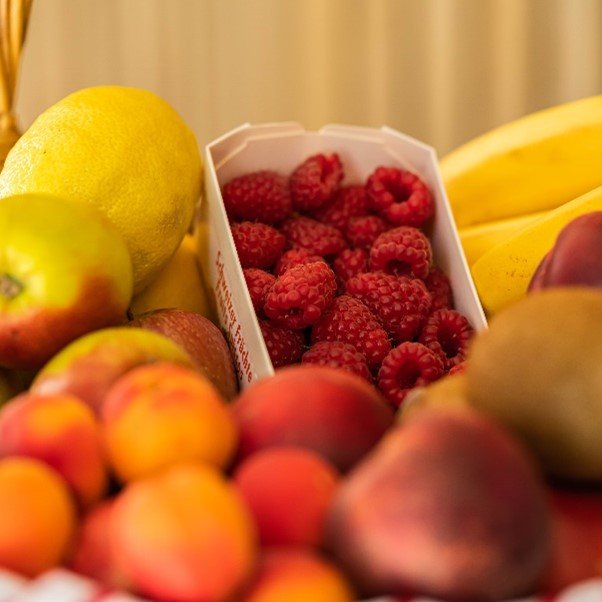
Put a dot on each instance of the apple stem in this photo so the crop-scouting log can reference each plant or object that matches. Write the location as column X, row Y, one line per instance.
column 10, row 287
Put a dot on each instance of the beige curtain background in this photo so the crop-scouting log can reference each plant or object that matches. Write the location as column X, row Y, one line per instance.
column 440, row 70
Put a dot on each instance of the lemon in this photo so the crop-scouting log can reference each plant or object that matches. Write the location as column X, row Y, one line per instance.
column 179, row 284
column 125, row 151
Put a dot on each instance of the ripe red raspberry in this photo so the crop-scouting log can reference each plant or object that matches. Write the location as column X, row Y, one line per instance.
column 338, row 355
column 407, row 366
column 400, row 197
column 402, row 251
column 349, row 321
column 258, row 283
column 438, row 285
column 301, row 295
column 447, row 332
column 349, row 201
column 401, row 304
column 285, row 346
column 258, row 245
column 318, row 239
column 314, row 182
column 293, row 257
column 361, row 232
column 348, row 263
column 261, row 196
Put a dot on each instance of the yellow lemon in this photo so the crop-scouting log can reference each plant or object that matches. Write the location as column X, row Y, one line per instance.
column 125, row 151
column 179, row 284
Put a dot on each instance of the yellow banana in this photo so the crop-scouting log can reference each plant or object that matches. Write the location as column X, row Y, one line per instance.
column 502, row 275
column 477, row 240
column 533, row 164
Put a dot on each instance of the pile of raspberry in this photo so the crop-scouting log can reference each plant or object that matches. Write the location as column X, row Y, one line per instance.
column 343, row 276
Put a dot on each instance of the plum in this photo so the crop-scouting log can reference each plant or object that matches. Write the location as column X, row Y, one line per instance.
column 576, row 258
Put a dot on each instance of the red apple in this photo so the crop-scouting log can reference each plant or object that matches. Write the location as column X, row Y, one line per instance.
column 88, row 367
column 201, row 338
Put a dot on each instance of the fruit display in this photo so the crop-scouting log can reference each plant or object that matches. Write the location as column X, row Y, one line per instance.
column 398, row 448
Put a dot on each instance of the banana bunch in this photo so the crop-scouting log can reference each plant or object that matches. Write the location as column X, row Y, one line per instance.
column 512, row 189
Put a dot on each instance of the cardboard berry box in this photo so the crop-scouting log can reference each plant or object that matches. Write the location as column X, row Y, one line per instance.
column 281, row 147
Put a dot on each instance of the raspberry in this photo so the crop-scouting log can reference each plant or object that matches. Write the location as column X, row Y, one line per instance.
column 438, row 285
column 349, row 321
column 314, row 182
column 284, row 346
column 399, row 196
column 261, row 196
column 294, row 257
column 301, row 295
column 348, row 263
column 258, row 283
column 402, row 251
column 338, row 355
column 447, row 332
column 349, row 201
column 258, row 245
column 361, row 232
column 407, row 366
column 401, row 304
column 318, row 239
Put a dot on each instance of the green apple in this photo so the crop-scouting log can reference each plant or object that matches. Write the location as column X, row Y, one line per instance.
column 88, row 367
column 64, row 271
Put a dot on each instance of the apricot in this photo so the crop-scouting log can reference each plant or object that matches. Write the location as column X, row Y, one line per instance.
column 337, row 414
column 448, row 506
column 184, row 535
column 92, row 555
column 61, row 431
column 160, row 414
column 298, row 575
column 37, row 516
column 289, row 491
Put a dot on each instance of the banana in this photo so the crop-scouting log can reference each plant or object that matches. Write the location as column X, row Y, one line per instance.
column 533, row 164
column 502, row 275
column 477, row 240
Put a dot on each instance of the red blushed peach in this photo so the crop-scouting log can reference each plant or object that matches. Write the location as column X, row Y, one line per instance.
column 92, row 555
column 447, row 506
column 37, row 516
column 160, row 414
column 334, row 413
column 576, row 539
column 297, row 575
column 184, row 535
column 61, row 431
column 288, row 491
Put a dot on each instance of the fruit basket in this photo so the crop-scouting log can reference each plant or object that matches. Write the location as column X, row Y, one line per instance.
column 280, row 147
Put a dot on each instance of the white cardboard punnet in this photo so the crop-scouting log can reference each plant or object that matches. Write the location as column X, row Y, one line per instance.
column 281, row 147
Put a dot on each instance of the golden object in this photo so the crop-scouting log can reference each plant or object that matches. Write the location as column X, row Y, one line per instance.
column 14, row 16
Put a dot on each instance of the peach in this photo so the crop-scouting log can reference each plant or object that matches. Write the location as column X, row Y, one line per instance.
column 298, row 575
column 576, row 539
column 61, row 431
column 184, row 535
column 447, row 506
column 289, row 491
column 161, row 414
column 37, row 516
column 334, row 413
column 91, row 554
